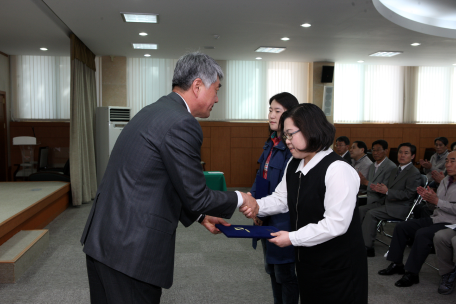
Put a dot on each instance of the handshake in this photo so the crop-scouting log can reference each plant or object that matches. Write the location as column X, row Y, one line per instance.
column 249, row 206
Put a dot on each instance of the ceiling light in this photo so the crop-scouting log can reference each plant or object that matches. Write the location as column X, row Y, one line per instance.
column 146, row 55
column 43, row 49
column 306, row 25
column 415, row 44
column 269, row 49
column 360, row 61
column 142, row 34
column 258, row 58
column 145, row 46
column 285, row 38
column 454, row 63
column 385, row 53
column 138, row 17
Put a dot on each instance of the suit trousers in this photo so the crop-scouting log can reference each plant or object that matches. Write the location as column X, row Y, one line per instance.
column 421, row 231
column 109, row 286
column 370, row 222
column 445, row 249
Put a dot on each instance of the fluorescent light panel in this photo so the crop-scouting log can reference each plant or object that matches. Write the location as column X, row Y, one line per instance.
column 138, row 17
column 268, row 49
column 145, row 46
column 385, row 54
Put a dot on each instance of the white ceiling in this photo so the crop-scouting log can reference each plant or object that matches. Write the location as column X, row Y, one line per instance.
column 341, row 31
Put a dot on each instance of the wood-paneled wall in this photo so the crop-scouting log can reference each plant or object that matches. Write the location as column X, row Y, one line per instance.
column 420, row 135
column 51, row 134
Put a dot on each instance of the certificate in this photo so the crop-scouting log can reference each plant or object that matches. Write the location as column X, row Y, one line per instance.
column 247, row 231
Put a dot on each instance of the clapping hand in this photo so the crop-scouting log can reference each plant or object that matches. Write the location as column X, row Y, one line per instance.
column 428, row 195
column 210, row 221
column 249, row 207
column 381, row 188
column 363, row 180
column 437, row 176
column 425, row 164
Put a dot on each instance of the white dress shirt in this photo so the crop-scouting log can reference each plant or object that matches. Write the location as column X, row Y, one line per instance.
column 239, row 196
column 342, row 185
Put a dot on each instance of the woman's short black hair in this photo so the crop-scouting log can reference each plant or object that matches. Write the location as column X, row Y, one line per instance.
column 317, row 130
column 286, row 100
column 444, row 140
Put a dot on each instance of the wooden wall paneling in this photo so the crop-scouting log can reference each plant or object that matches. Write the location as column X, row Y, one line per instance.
column 206, row 153
column 241, row 132
column 261, row 132
column 372, row 132
column 220, row 151
column 428, row 131
column 242, row 167
column 394, row 132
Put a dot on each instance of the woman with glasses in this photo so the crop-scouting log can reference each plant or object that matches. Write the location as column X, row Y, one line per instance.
column 319, row 190
column 278, row 262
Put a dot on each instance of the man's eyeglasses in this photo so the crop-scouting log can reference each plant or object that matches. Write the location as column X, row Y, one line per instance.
column 289, row 136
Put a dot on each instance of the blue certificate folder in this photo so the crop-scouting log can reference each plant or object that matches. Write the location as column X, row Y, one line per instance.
column 247, row 231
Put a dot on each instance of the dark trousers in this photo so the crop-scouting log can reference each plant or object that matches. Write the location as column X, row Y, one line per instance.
column 421, row 231
column 109, row 286
column 285, row 288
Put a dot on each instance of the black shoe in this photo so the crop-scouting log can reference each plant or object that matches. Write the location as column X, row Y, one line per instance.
column 408, row 279
column 392, row 269
column 370, row 251
column 446, row 286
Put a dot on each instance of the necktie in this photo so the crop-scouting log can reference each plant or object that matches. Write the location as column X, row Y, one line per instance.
column 398, row 171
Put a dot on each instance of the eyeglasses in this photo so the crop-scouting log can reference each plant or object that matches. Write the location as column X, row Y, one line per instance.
column 289, row 136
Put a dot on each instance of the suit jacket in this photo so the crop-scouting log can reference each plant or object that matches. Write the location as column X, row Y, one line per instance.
column 402, row 191
column 153, row 180
column 348, row 158
column 381, row 176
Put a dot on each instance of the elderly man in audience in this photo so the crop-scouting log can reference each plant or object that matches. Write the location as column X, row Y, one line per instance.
column 445, row 249
column 379, row 173
column 422, row 230
column 360, row 161
column 342, row 146
column 437, row 162
column 400, row 191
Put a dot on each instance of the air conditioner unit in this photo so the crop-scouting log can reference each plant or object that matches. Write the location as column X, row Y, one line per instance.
column 109, row 123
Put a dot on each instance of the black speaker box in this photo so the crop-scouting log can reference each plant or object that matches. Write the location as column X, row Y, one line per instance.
column 327, row 74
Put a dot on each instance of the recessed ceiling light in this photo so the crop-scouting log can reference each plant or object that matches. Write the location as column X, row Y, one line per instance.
column 138, row 17
column 146, row 55
column 285, row 38
column 43, row 49
column 145, row 46
column 270, row 49
column 385, row 53
column 258, row 58
column 360, row 61
column 415, row 44
column 454, row 63
column 306, row 25
column 142, row 34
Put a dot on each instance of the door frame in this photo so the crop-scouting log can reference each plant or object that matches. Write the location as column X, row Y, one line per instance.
column 5, row 130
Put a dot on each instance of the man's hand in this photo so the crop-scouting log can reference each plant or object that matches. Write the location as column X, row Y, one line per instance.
column 210, row 221
column 282, row 239
column 363, row 180
column 249, row 206
column 425, row 164
column 381, row 188
column 428, row 195
column 373, row 187
column 437, row 176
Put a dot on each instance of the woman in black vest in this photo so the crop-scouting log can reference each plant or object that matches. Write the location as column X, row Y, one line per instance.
column 319, row 189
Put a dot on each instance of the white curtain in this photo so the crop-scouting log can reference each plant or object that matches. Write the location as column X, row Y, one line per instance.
column 42, row 87
column 368, row 93
column 250, row 84
column 148, row 79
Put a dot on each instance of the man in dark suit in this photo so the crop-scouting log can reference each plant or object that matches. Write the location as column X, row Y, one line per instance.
column 400, row 191
column 342, row 147
column 154, row 180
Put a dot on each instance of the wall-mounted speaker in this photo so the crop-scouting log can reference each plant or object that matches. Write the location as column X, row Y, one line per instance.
column 327, row 74
column 327, row 105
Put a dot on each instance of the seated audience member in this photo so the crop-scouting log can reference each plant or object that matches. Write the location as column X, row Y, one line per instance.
column 453, row 146
column 378, row 171
column 437, row 161
column 400, row 191
column 422, row 230
column 445, row 249
column 342, row 146
column 360, row 160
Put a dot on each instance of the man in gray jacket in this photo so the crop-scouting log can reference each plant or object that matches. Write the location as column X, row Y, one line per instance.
column 422, row 230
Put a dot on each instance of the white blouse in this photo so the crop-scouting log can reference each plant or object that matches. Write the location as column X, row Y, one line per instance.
column 342, row 185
